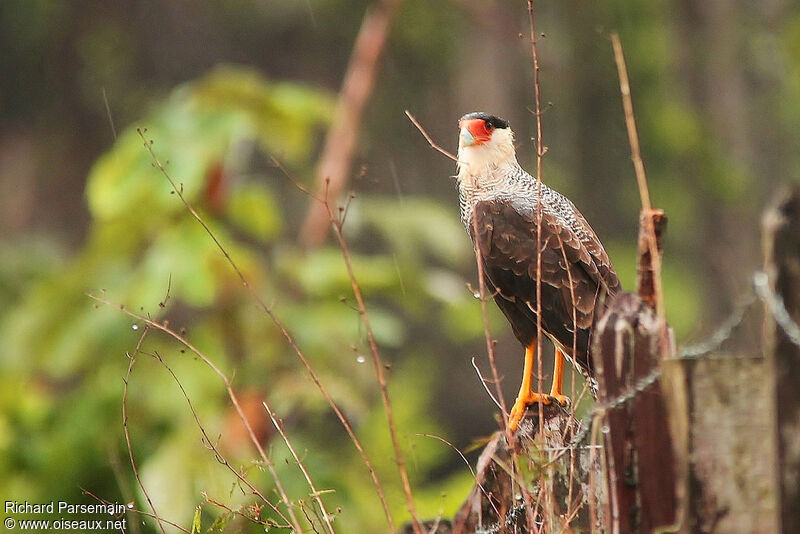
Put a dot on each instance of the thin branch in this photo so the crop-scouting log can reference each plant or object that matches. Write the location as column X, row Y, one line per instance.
column 486, row 387
column 119, row 475
column 131, row 364
column 340, row 142
column 231, row 394
column 488, row 335
column 377, row 364
column 630, row 122
column 428, row 137
column 210, row 443
column 279, row 324
column 641, row 179
column 574, row 351
column 134, row 510
column 108, row 112
column 539, row 157
column 266, row 524
column 314, row 492
column 469, row 466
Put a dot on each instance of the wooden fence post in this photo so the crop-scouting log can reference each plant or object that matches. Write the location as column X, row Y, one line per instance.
column 782, row 251
column 628, row 346
column 638, row 447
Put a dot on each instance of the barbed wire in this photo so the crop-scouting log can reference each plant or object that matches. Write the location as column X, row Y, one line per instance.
column 722, row 334
column 776, row 308
column 642, row 384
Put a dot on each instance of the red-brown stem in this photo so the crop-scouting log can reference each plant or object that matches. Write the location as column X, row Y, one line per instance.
column 132, row 362
column 210, row 443
column 280, row 326
column 488, row 335
column 377, row 364
column 641, row 179
column 231, row 394
column 314, row 492
column 539, row 157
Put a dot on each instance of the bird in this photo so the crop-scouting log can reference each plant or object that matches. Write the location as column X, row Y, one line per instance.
column 499, row 204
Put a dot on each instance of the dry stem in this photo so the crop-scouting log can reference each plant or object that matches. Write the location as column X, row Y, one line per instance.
column 231, row 394
column 213, row 448
column 281, row 327
column 428, row 137
column 134, row 510
column 314, row 492
column 539, row 157
column 131, row 363
column 377, row 363
column 641, row 178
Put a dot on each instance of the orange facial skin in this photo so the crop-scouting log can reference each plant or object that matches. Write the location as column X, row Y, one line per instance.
column 478, row 128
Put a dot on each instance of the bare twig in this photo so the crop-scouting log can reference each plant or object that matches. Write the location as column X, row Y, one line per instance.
column 279, row 324
column 641, row 179
column 539, row 158
column 488, row 335
column 266, row 524
column 231, row 394
column 377, row 364
column 359, row 80
column 486, row 387
column 211, row 445
column 119, row 475
column 135, row 511
column 428, row 137
column 469, row 466
column 108, row 112
column 131, row 364
column 574, row 352
column 314, row 492
column 630, row 122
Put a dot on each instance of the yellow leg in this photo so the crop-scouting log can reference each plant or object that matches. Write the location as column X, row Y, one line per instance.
column 526, row 395
column 558, row 377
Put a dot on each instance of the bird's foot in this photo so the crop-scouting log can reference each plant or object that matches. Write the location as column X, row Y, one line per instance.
column 522, row 403
column 563, row 400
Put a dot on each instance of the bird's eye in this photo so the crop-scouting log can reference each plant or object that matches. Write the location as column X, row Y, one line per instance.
column 489, row 126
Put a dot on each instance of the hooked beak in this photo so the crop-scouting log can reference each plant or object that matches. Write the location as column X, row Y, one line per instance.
column 466, row 138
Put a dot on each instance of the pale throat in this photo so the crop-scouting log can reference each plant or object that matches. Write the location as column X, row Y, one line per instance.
column 483, row 169
column 487, row 172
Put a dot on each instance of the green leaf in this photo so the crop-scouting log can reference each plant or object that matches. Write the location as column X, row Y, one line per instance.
column 252, row 209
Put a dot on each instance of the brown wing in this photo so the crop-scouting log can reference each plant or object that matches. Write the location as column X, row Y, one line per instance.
column 575, row 273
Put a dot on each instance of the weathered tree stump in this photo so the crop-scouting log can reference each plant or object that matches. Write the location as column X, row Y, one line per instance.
column 558, row 477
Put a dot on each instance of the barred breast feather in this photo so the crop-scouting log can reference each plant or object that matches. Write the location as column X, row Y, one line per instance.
column 577, row 277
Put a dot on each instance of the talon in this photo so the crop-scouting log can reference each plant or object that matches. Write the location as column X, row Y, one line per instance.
column 522, row 403
column 563, row 400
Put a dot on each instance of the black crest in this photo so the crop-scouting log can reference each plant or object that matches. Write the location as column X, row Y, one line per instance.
column 491, row 120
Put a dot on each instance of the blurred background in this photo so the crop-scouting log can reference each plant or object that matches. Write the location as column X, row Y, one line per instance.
column 224, row 87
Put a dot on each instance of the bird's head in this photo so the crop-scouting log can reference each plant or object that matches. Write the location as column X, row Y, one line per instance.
column 484, row 140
